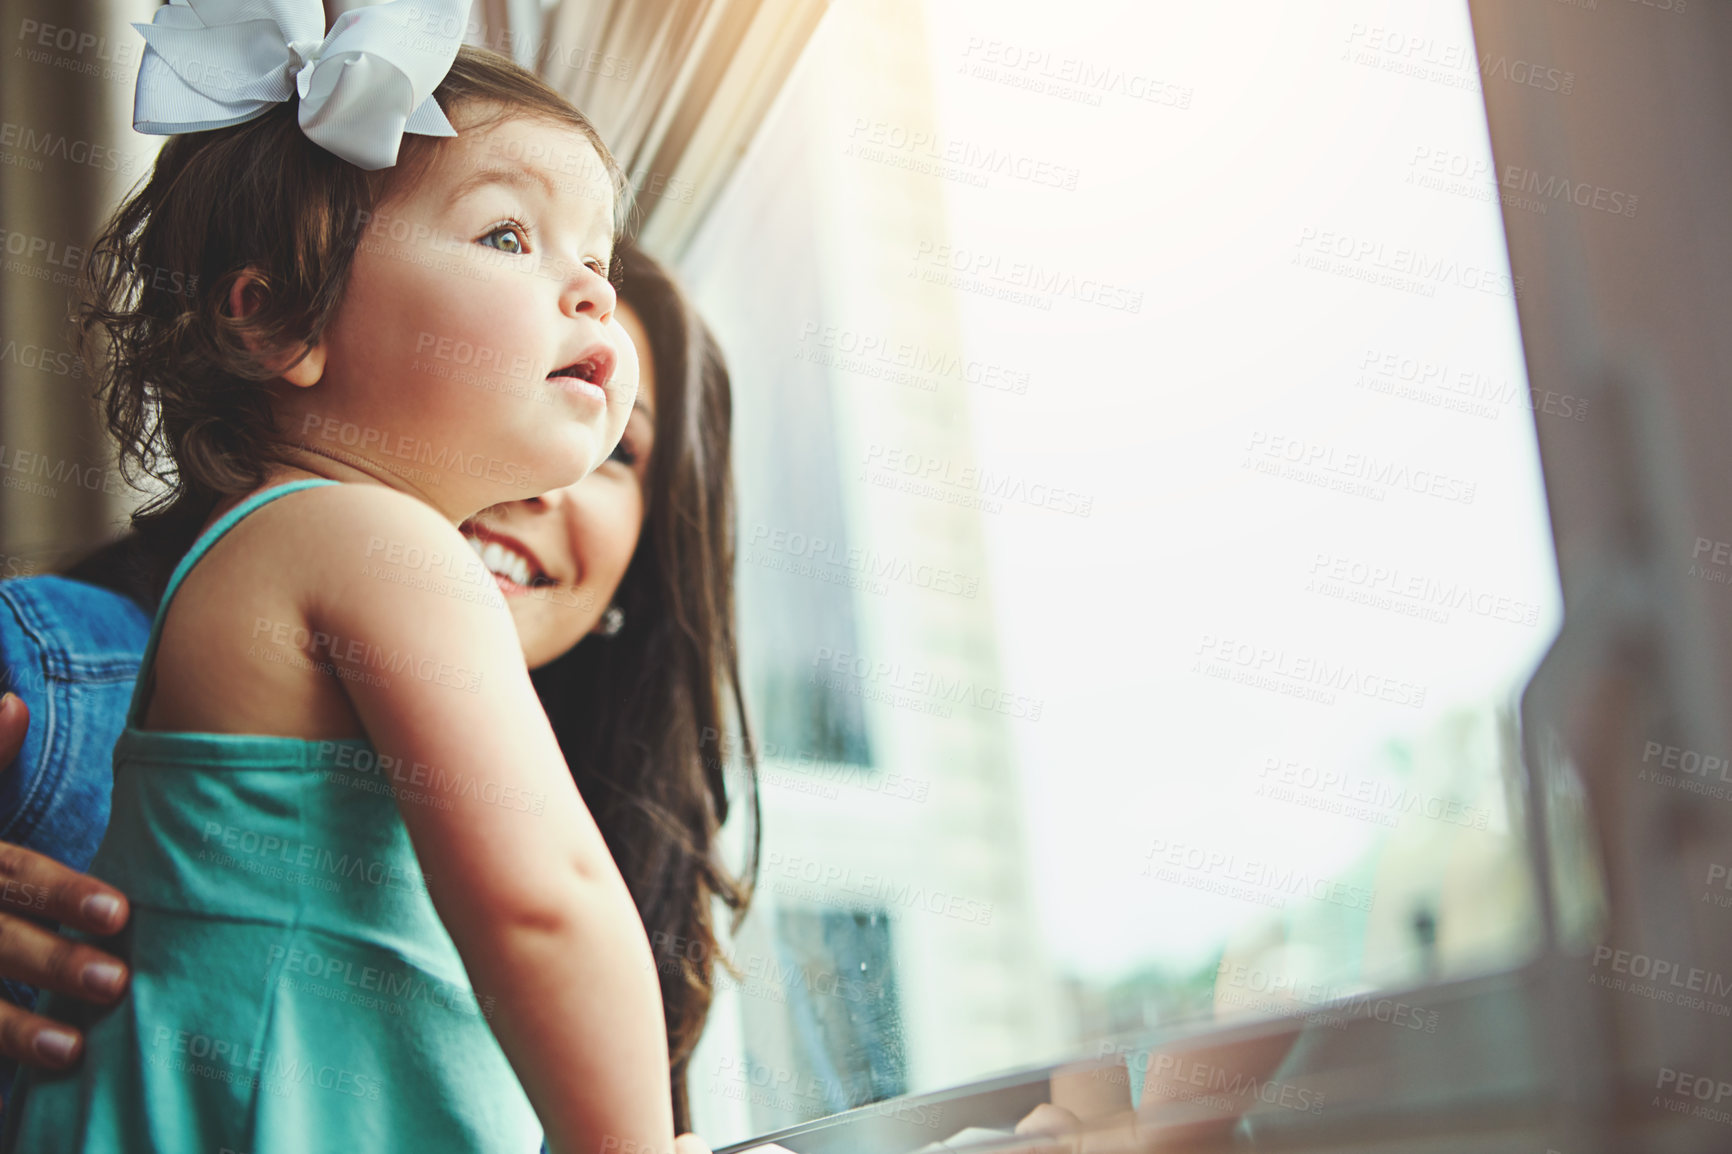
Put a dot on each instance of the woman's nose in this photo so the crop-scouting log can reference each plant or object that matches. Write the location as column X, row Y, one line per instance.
column 554, row 501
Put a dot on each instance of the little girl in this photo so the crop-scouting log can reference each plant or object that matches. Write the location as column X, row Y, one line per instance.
column 370, row 911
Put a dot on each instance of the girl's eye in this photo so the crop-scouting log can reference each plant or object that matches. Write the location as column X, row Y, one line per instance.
column 623, row 453
column 513, row 229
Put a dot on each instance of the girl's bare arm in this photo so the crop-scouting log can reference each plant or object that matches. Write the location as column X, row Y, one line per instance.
column 516, row 866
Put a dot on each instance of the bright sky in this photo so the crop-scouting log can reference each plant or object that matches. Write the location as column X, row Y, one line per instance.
column 1304, row 123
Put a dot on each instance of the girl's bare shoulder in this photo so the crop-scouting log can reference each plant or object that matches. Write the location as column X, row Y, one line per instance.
column 347, row 523
column 353, row 544
column 237, row 652
column 307, row 549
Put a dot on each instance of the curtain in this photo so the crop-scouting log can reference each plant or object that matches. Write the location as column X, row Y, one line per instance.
column 676, row 87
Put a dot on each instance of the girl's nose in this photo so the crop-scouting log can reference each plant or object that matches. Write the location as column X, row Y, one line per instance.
column 588, row 293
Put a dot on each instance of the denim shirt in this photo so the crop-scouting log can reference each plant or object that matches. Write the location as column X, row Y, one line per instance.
column 71, row 652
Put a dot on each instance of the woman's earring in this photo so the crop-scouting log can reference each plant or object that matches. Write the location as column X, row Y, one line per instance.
column 612, row 621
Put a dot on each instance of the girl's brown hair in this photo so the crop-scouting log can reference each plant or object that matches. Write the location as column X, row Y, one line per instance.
column 645, row 717
column 182, row 392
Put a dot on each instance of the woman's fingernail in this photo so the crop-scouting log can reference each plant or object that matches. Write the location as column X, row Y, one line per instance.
column 101, row 908
column 55, row 1046
column 103, row 977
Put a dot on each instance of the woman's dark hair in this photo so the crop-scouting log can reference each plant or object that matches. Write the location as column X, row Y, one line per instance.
column 648, row 718
column 182, row 392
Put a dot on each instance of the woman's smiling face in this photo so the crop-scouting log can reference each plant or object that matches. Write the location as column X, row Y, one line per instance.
column 559, row 558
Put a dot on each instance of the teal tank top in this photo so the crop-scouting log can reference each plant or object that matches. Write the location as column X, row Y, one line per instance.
column 293, row 988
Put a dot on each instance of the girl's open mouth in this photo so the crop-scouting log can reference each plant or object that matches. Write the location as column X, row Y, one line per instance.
column 589, row 374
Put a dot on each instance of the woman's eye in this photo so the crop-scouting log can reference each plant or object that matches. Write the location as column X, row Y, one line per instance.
column 622, row 453
column 511, row 229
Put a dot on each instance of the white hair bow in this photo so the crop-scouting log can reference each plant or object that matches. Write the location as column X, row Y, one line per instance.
column 362, row 85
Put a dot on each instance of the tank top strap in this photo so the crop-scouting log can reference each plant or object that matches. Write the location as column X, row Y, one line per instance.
column 146, row 667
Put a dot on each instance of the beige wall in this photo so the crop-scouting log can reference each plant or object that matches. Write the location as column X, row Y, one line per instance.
column 66, row 150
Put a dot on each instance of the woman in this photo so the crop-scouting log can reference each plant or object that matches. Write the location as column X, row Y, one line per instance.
column 641, row 553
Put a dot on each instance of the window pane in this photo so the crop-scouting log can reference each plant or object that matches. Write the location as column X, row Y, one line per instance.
column 1135, row 456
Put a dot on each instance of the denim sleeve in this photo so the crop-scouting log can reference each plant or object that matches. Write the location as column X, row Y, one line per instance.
column 71, row 651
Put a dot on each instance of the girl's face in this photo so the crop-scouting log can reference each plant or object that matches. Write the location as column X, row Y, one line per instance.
column 559, row 558
column 475, row 357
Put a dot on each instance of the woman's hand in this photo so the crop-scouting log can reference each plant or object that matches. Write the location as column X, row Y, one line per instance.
column 1056, row 1130
column 692, row 1144
column 39, row 887
column 1089, row 1112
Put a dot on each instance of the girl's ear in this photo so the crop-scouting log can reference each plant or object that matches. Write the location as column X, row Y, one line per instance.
column 306, row 371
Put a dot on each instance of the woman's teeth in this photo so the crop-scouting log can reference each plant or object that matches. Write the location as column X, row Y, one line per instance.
column 503, row 561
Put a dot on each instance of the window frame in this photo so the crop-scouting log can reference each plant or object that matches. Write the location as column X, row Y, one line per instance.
column 1628, row 318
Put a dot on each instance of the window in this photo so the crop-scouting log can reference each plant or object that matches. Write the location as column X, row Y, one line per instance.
column 1137, row 468
column 789, row 537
